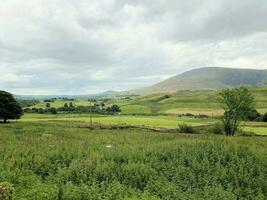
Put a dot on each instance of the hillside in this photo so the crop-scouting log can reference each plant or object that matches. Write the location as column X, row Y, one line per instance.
column 195, row 102
column 209, row 78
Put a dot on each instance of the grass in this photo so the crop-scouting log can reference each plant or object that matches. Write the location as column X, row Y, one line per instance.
column 257, row 130
column 149, row 121
column 58, row 160
column 167, row 122
column 58, row 157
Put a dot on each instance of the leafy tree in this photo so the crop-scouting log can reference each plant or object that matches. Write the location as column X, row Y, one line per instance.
column 9, row 107
column 114, row 109
column 48, row 105
column 41, row 110
column 53, row 110
column 236, row 103
column 66, row 105
column 71, row 105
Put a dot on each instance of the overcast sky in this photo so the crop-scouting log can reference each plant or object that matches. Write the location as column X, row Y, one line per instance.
column 90, row 46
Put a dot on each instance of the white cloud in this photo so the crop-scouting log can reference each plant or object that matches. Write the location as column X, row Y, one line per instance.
column 16, row 78
column 76, row 46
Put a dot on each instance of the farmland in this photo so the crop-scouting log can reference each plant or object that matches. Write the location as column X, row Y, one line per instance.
column 165, row 122
column 198, row 102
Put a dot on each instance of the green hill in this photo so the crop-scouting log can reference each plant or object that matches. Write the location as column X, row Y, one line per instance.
column 209, row 78
column 194, row 102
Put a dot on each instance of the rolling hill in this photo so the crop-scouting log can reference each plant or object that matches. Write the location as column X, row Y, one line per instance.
column 209, row 78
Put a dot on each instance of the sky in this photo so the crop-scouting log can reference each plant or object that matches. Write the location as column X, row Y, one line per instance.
column 90, row 46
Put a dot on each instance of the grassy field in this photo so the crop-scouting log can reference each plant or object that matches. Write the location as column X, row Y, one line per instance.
column 204, row 102
column 60, row 160
column 137, row 154
column 149, row 121
column 166, row 122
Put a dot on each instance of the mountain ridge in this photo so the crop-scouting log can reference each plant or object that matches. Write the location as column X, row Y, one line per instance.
column 207, row 78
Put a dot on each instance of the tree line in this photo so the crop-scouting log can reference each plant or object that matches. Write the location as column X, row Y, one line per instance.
column 97, row 108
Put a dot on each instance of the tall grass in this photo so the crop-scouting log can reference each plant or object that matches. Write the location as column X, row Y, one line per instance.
column 58, row 160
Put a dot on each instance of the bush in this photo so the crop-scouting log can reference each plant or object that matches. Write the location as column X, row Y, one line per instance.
column 217, row 129
column 185, row 128
column 40, row 191
column 167, row 96
column 27, row 110
column 264, row 117
column 6, row 190
column 252, row 115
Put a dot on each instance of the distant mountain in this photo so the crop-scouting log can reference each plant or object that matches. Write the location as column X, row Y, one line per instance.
column 106, row 94
column 209, row 78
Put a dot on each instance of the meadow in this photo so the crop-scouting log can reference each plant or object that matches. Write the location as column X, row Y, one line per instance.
column 140, row 153
column 160, row 121
column 63, row 160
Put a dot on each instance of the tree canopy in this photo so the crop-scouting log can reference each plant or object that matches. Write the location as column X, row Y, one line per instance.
column 9, row 107
column 237, row 102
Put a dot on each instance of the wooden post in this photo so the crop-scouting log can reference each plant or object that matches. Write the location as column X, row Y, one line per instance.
column 91, row 120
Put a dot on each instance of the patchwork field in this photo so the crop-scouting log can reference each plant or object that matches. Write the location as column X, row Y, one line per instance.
column 203, row 102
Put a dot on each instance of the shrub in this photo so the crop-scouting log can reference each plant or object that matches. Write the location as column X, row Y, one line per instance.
column 6, row 190
column 39, row 191
column 252, row 115
column 167, row 96
column 217, row 129
column 264, row 117
column 27, row 110
column 185, row 128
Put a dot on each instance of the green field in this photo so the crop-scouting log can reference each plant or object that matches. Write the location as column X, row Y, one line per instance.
column 204, row 102
column 165, row 122
column 139, row 153
column 149, row 121
column 61, row 160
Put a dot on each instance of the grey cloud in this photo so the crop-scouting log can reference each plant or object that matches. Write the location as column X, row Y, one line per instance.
column 80, row 46
column 207, row 19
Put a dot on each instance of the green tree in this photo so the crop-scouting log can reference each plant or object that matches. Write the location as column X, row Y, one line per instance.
column 236, row 103
column 48, row 105
column 9, row 107
column 53, row 110
column 71, row 105
column 113, row 109
column 66, row 105
column 41, row 110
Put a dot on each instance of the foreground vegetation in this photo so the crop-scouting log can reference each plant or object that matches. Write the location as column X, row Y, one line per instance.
column 64, row 160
